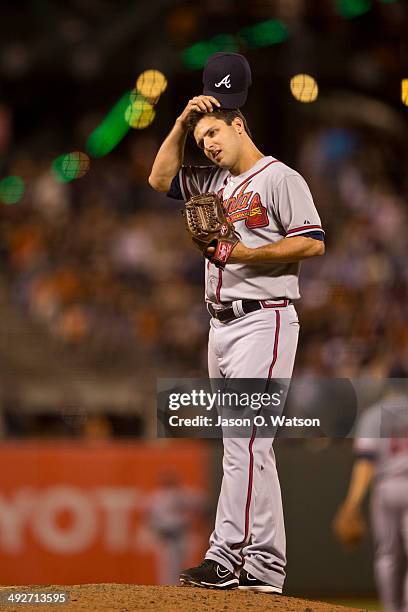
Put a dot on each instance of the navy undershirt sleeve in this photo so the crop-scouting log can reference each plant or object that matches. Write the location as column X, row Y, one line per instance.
column 175, row 190
column 316, row 235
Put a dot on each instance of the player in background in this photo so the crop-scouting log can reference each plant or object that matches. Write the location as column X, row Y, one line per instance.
column 254, row 326
column 381, row 450
column 171, row 515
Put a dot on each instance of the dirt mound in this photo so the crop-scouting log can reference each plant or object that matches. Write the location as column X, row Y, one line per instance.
column 129, row 597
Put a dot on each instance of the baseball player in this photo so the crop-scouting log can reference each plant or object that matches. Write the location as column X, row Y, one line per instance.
column 381, row 448
column 170, row 515
column 254, row 326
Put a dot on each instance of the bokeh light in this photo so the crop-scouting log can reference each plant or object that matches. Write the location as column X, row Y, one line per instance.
column 140, row 113
column 304, row 88
column 352, row 8
column 151, row 84
column 110, row 131
column 70, row 166
column 225, row 42
column 11, row 189
column 195, row 57
column 261, row 34
column 265, row 33
column 404, row 91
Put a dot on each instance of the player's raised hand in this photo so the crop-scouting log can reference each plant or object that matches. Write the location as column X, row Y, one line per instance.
column 201, row 104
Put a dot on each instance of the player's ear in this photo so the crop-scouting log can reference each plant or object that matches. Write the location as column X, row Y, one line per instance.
column 238, row 125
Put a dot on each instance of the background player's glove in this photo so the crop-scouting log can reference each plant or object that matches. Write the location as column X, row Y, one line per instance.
column 349, row 526
column 209, row 227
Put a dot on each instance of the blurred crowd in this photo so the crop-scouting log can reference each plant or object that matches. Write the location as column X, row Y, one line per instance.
column 354, row 307
column 104, row 265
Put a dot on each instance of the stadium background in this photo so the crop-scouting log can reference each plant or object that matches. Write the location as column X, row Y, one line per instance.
column 101, row 292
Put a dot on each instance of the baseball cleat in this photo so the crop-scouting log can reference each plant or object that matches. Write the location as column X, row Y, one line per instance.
column 210, row 575
column 247, row 582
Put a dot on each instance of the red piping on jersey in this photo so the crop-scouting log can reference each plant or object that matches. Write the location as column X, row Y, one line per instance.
column 251, row 442
column 275, row 346
column 206, row 284
column 303, row 227
column 274, row 161
column 218, row 293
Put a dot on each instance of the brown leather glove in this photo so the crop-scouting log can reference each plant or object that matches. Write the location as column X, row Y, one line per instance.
column 209, row 227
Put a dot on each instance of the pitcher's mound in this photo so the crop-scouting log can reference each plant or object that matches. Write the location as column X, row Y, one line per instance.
column 129, row 597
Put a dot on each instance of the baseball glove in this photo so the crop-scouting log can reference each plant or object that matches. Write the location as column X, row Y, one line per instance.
column 349, row 526
column 209, row 227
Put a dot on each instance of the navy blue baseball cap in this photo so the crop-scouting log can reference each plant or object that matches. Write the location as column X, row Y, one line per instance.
column 227, row 77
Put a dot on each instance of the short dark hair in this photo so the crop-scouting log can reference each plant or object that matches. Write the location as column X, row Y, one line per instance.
column 225, row 114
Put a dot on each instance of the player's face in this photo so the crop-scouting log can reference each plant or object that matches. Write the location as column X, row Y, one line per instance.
column 220, row 142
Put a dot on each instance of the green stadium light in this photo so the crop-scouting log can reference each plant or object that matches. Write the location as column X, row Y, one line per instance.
column 265, row 33
column 225, row 42
column 196, row 56
column 352, row 8
column 11, row 189
column 262, row 34
column 111, row 131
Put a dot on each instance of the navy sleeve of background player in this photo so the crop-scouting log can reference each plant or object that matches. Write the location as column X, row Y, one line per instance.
column 367, row 455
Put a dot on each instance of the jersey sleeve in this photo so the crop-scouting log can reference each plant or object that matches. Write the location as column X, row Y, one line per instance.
column 295, row 209
column 367, row 435
column 191, row 180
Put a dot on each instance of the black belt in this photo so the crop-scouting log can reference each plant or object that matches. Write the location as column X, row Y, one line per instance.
column 228, row 314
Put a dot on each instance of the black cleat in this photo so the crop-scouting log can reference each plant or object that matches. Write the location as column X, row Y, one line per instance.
column 247, row 582
column 210, row 575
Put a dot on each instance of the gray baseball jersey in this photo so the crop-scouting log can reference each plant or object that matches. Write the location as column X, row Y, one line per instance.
column 266, row 203
column 382, row 436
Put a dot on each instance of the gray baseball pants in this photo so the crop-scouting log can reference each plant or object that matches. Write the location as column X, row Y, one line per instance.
column 249, row 527
column 389, row 519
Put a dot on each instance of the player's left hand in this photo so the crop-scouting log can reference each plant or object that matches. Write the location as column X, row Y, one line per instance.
column 239, row 253
column 349, row 526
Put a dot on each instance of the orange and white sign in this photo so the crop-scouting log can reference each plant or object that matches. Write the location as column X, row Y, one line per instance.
column 74, row 512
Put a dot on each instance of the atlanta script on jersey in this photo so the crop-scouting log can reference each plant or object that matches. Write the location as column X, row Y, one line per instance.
column 268, row 202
